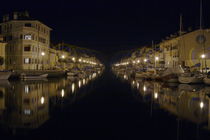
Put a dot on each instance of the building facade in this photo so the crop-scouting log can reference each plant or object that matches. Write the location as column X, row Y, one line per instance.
column 28, row 42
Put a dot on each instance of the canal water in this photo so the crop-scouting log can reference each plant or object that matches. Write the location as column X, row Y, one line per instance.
column 103, row 106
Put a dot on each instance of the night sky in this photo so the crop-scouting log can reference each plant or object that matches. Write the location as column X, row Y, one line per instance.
column 112, row 26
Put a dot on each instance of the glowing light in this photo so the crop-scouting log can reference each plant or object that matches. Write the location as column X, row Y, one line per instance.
column 63, row 56
column 134, row 62
column 125, row 76
column 26, row 89
column 137, row 85
column 73, row 59
column 83, row 81
column 43, row 53
column 144, row 88
column 203, row 56
column 145, row 60
column 79, row 83
column 156, row 58
column 42, row 100
column 156, row 95
column 80, row 60
column 62, row 93
column 133, row 82
column 138, row 61
column 201, row 105
column 73, row 87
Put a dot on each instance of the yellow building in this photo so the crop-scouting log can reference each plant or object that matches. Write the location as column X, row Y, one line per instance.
column 2, row 53
column 28, row 42
column 187, row 50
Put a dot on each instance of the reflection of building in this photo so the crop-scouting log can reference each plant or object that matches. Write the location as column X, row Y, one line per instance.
column 29, row 108
column 186, row 101
column 28, row 42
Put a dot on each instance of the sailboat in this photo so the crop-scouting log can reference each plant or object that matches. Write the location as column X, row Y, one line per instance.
column 5, row 75
column 193, row 78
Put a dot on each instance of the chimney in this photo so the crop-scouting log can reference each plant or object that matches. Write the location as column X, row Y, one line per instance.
column 15, row 15
column 7, row 17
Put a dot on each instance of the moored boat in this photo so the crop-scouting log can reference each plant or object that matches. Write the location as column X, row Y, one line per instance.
column 33, row 77
column 189, row 78
column 5, row 75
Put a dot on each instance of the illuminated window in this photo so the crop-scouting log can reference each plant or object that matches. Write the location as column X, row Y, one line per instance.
column 28, row 37
column 26, row 60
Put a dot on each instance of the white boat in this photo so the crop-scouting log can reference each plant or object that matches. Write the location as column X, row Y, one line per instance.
column 33, row 77
column 189, row 78
column 5, row 75
column 71, row 74
column 171, row 74
column 206, row 80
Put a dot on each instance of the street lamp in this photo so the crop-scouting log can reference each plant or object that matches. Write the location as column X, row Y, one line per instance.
column 203, row 56
column 73, row 59
column 63, row 56
column 43, row 54
column 156, row 58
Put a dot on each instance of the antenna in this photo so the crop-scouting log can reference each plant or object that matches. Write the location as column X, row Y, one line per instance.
column 180, row 25
column 201, row 13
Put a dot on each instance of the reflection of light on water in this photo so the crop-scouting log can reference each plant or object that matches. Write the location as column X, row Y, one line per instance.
column 26, row 89
column 94, row 75
column 83, row 81
column 42, row 100
column 73, row 87
column 201, row 105
column 137, row 85
column 144, row 88
column 27, row 111
column 62, row 93
column 156, row 95
column 79, row 83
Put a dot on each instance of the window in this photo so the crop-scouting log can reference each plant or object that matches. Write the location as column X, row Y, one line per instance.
column 28, row 37
column 26, row 60
column 28, row 25
column 27, row 48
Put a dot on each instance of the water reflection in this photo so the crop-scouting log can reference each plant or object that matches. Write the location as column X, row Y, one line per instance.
column 187, row 102
column 26, row 104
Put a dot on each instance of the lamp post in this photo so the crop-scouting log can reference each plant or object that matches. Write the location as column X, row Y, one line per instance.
column 43, row 54
column 63, row 57
column 156, row 59
column 203, row 56
column 145, row 61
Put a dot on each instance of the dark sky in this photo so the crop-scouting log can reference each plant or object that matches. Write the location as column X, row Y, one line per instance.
column 111, row 26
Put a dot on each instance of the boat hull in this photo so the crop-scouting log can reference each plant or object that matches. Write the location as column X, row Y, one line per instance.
column 190, row 80
column 206, row 81
column 5, row 75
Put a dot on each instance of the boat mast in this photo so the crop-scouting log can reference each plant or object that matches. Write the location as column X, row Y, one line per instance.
column 180, row 34
column 201, row 28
